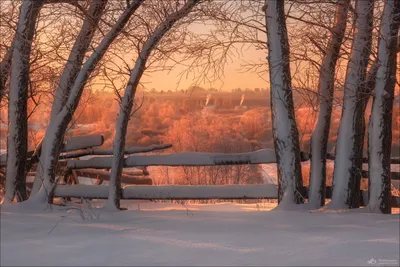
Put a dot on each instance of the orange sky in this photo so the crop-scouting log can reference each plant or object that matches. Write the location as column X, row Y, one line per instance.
column 234, row 76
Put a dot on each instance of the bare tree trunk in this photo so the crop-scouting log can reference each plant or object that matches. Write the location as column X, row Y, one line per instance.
column 366, row 95
column 55, row 132
column 17, row 144
column 319, row 139
column 78, row 51
column 114, row 197
column 348, row 161
column 286, row 135
column 369, row 84
column 72, row 68
column 380, row 127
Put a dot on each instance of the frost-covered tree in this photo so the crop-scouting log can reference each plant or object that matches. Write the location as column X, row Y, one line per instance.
column 72, row 68
column 348, row 161
column 53, row 140
column 380, row 124
column 17, row 106
column 126, row 105
column 319, row 139
column 286, row 136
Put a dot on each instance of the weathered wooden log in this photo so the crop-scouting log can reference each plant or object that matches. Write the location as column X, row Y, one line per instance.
column 181, row 192
column 71, row 144
column 180, row 159
column 133, row 150
column 172, row 192
column 81, row 190
column 137, row 172
column 82, row 142
column 105, row 176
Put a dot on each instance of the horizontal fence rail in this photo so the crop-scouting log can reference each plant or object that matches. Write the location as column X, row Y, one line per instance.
column 263, row 156
column 135, row 178
column 180, row 159
column 80, row 146
column 71, row 144
column 96, row 151
column 183, row 192
column 176, row 192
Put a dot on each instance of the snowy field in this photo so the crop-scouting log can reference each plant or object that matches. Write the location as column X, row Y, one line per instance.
column 213, row 234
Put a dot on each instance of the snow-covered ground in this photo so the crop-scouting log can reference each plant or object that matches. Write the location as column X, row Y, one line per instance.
column 217, row 234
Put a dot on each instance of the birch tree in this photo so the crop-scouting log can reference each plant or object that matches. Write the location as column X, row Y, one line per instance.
column 380, row 124
column 54, row 136
column 319, row 139
column 126, row 107
column 17, row 137
column 73, row 66
column 78, row 51
column 286, row 136
column 348, row 161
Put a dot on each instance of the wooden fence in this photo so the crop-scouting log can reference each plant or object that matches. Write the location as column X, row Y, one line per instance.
column 263, row 156
column 98, row 165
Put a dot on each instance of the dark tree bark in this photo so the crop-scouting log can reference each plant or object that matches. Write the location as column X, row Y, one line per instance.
column 52, row 143
column 319, row 139
column 380, row 127
column 348, row 161
column 286, row 135
column 17, row 145
column 72, row 68
column 5, row 66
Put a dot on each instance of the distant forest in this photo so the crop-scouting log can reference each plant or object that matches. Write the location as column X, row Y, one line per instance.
column 196, row 119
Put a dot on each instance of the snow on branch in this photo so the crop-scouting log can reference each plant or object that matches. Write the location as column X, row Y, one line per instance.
column 133, row 150
column 181, row 159
column 84, row 141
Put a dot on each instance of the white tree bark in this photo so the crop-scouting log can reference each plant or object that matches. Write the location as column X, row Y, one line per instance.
column 52, row 142
column 72, row 68
column 286, row 136
column 347, row 172
column 76, row 56
column 319, row 139
column 380, row 128
column 113, row 201
column 17, row 106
